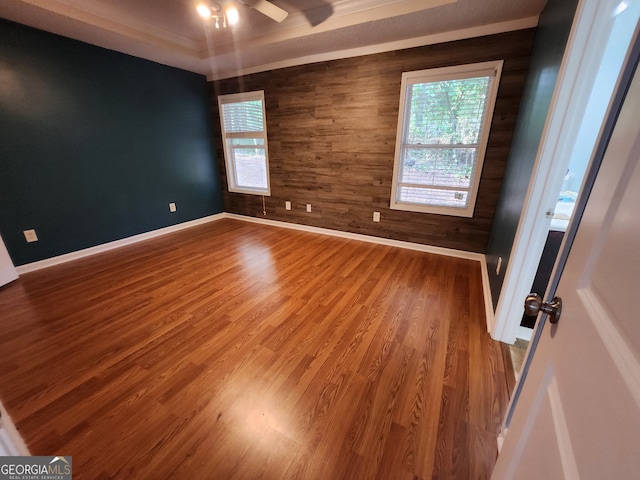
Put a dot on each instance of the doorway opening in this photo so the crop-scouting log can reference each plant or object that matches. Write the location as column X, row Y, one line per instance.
column 603, row 51
column 594, row 59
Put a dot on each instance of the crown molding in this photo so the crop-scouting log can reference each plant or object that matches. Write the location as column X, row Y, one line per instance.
column 345, row 14
column 492, row 29
column 129, row 28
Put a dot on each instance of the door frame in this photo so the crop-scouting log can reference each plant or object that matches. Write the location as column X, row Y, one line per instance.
column 579, row 73
column 632, row 63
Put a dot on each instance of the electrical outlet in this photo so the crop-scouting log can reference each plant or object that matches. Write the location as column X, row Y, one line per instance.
column 172, row 207
column 376, row 216
column 287, row 205
column 308, row 207
column 30, row 236
column 499, row 265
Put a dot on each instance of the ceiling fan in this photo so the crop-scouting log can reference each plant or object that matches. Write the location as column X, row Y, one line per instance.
column 230, row 16
column 267, row 8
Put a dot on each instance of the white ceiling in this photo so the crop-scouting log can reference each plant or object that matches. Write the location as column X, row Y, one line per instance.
column 170, row 31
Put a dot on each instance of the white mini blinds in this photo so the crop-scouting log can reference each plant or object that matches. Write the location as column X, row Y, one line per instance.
column 244, row 134
column 443, row 127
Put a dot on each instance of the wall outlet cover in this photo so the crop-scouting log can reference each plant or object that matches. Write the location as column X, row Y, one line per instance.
column 376, row 216
column 172, row 207
column 30, row 236
column 287, row 205
column 308, row 207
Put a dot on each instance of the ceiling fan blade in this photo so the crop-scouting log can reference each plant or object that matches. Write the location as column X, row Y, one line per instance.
column 270, row 10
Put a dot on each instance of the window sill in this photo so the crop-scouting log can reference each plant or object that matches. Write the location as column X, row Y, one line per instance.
column 261, row 193
column 451, row 211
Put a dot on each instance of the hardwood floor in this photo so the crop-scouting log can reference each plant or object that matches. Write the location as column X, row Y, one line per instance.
column 236, row 350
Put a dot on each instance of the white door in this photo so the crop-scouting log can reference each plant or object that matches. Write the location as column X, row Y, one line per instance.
column 7, row 270
column 578, row 415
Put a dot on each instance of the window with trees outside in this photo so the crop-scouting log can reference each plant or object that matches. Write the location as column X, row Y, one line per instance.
column 244, row 135
column 443, row 127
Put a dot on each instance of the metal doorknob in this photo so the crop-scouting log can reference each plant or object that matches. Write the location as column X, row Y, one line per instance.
column 533, row 304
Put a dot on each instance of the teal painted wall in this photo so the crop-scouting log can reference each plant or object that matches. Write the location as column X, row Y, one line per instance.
column 94, row 144
column 549, row 45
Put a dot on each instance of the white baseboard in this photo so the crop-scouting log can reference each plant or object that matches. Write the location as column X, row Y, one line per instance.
column 86, row 252
column 478, row 257
column 524, row 333
column 363, row 238
column 488, row 299
column 500, row 439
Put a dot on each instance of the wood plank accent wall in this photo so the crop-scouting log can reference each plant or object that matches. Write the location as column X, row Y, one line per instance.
column 331, row 130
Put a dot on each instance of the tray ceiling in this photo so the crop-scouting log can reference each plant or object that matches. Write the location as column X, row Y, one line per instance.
column 171, row 32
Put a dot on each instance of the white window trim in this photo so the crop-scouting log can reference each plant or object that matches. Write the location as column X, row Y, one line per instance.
column 494, row 69
column 230, row 166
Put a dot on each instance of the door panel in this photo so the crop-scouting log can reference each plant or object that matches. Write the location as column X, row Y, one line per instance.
column 615, row 263
column 7, row 270
column 578, row 415
column 533, row 447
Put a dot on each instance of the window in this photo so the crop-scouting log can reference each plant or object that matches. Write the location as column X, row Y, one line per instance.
column 244, row 135
column 443, row 127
